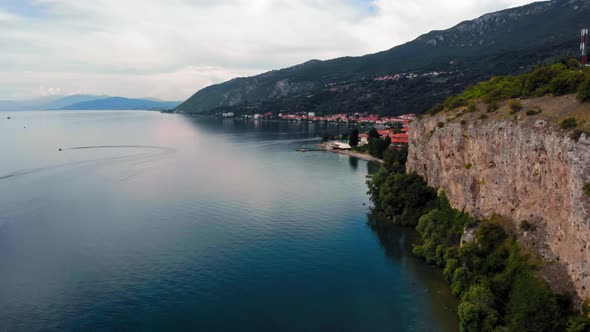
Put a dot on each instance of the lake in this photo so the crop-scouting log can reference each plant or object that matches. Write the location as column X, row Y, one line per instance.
column 148, row 221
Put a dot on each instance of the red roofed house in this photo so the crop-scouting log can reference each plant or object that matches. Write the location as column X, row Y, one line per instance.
column 399, row 138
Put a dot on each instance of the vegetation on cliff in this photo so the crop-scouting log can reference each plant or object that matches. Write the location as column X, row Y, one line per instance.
column 557, row 93
column 495, row 279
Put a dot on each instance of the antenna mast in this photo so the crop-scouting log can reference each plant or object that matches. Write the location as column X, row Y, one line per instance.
column 583, row 47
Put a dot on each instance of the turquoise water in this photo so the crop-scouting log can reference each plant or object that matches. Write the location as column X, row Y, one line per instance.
column 148, row 221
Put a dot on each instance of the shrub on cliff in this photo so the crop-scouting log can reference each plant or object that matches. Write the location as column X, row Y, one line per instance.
column 569, row 123
column 504, row 88
column 436, row 109
column 534, row 111
column 395, row 159
column 515, row 106
column 496, row 89
column 493, row 107
column 578, row 324
column 558, row 79
column 566, row 82
column 532, row 307
column 441, row 226
column 406, row 197
column 538, row 83
column 584, row 91
column 526, row 226
column 476, row 310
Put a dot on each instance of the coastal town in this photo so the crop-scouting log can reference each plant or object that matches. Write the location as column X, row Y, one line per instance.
column 394, row 127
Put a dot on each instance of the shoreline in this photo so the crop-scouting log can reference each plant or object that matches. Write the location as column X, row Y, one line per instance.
column 350, row 153
column 359, row 155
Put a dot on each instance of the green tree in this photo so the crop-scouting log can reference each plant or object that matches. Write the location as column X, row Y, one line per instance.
column 397, row 127
column 532, row 306
column 460, row 281
column 403, row 196
column 584, row 91
column 567, row 82
column 354, row 138
column 377, row 146
column 395, row 159
column 538, row 82
column 373, row 133
column 476, row 310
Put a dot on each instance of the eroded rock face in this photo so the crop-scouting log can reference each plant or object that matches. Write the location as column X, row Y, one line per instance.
column 520, row 170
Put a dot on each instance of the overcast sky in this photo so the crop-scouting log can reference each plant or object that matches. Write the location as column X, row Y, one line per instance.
column 169, row 49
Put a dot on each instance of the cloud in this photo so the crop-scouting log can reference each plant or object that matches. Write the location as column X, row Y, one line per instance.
column 169, row 49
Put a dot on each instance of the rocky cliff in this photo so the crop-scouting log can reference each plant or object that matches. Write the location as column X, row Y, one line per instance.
column 523, row 168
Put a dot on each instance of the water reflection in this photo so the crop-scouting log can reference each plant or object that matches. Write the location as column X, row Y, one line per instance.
column 373, row 167
column 428, row 285
column 354, row 163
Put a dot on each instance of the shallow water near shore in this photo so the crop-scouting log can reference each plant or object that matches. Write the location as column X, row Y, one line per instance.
column 148, row 221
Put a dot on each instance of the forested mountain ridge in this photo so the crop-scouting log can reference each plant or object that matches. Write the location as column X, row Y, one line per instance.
column 414, row 76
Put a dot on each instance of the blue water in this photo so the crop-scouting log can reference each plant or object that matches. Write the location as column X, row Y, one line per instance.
column 148, row 221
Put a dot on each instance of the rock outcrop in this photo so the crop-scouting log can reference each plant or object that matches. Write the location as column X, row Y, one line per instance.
column 527, row 171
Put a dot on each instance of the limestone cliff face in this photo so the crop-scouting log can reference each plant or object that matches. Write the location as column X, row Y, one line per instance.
column 522, row 170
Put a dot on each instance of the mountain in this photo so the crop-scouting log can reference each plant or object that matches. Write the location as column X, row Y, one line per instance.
column 44, row 103
column 69, row 100
column 86, row 102
column 414, row 76
column 120, row 103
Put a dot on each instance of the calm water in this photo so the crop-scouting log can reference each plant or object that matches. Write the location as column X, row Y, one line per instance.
column 148, row 221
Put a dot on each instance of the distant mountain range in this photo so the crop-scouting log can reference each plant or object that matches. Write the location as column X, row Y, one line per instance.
column 414, row 76
column 120, row 103
column 87, row 102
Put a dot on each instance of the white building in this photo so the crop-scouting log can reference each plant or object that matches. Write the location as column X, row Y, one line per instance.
column 311, row 114
column 341, row 146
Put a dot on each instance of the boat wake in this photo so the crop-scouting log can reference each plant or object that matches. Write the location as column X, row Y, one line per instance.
column 136, row 158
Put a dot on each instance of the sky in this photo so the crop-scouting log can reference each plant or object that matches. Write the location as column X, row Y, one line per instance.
column 169, row 49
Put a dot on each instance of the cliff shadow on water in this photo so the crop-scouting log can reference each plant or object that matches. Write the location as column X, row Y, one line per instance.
column 434, row 298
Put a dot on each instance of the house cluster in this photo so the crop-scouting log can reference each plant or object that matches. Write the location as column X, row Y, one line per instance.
column 396, row 138
column 355, row 118
column 267, row 115
column 410, row 76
